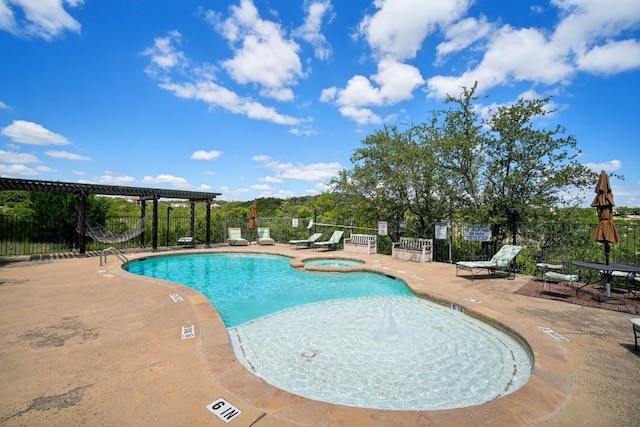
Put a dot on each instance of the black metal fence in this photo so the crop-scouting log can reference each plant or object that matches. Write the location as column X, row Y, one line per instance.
column 549, row 242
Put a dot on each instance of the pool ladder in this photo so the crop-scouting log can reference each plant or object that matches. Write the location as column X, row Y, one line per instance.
column 115, row 252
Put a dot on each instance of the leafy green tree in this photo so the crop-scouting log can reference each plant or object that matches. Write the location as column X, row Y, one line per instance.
column 55, row 218
column 393, row 178
column 458, row 166
column 528, row 168
column 461, row 140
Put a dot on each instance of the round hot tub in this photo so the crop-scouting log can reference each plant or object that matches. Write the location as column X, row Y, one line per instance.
column 332, row 262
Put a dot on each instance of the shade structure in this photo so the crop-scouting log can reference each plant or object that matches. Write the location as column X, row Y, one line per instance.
column 253, row 215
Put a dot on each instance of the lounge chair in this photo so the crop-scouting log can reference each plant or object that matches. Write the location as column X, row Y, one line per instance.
column 235, row 238
column 332, row 243
column 503, row 260
column 305, row 243
column 559, row 277
column 264, row 237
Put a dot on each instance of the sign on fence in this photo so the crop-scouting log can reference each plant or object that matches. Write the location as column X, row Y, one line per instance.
column 441, row 231
column 382, row 228
column 477, row 233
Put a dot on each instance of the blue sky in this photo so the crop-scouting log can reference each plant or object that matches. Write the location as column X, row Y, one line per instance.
column 271, row 97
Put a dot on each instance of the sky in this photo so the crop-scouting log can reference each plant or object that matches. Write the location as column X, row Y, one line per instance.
column 269, row 98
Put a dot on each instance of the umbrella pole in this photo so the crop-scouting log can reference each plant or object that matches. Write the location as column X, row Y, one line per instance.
column 607, row 276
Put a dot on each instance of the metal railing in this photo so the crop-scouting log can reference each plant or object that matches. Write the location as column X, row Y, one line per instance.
column 543, row 242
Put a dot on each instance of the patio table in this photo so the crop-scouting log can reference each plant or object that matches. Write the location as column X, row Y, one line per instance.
column 607, row 270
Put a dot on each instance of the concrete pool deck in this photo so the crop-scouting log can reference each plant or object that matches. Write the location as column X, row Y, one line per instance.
column 83, row 344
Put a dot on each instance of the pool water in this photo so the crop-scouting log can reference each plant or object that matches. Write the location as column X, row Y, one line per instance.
column 243, row 287
column 332, row 262
column 394, row 353
column 358, row 339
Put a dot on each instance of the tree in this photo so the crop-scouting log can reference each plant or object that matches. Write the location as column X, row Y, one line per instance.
column 458, row 166
column 527, row 168
column 55, row 219
column 393, row 179
column 458, row 155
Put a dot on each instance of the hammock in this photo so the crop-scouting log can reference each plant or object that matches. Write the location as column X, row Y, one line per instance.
column 104, row 235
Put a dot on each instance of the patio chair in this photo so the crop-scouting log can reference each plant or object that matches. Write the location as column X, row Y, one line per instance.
column 235, row 238
column 264, row 237
column 549, row 277
column 503, row 260
column 636, row 329
column 305, row 243
column 332, row 243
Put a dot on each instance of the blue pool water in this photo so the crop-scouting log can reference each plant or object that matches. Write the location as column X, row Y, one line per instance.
column 357, row 339
column 332, row 262
column 243, row 287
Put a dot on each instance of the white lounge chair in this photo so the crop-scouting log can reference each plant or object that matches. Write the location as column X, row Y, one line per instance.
column 503, row 260
column 264, row 237
column 559, row 277
column 332, row 243
column 305, row 243
column 235, row 238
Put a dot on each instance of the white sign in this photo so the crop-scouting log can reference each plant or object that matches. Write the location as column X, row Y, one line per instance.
column 553, row 334
column 188, row 332
column 294, row 222
column 477, row 233
column 441, row 231
column 382, row 228
column 176, row 297
column 224, row 410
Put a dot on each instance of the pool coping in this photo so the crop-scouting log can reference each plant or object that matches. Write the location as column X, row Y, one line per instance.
column 545, row 393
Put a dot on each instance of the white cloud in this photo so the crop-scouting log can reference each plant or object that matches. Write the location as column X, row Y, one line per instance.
column 398, row 28
column 586, row 38
column 512, row 55
column 59, row 154
column 261, row 187
column 176, row 181
column 272, row 179
column 33, row 134
column 463, row 34
column 394, row 82
column 608, row 166
column 206, row 155
column 22, row 170
column 112, row 179
column 216, row 95
column 311, row 32
column 262, row 53
column 20, row 158
column 3, row 106
column 306, row 172
column 611, row 58
column 38, row 18
column 165, row 56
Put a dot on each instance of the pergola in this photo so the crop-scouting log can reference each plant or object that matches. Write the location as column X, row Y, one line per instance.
column 80, row 191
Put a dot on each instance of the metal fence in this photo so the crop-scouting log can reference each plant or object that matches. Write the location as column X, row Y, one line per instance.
column 549, row 242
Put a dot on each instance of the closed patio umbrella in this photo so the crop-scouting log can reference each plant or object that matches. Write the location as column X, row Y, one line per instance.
column 252, row 217
column 605, row 232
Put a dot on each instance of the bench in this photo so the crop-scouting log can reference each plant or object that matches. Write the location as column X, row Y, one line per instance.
column 361, row 244
column 187, row 242
column 413, row 249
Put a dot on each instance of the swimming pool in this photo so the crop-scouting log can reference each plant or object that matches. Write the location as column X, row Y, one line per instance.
column 358, row 339
column 244, row 287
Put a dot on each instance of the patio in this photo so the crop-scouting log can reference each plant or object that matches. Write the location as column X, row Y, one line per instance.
column 92, row 345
